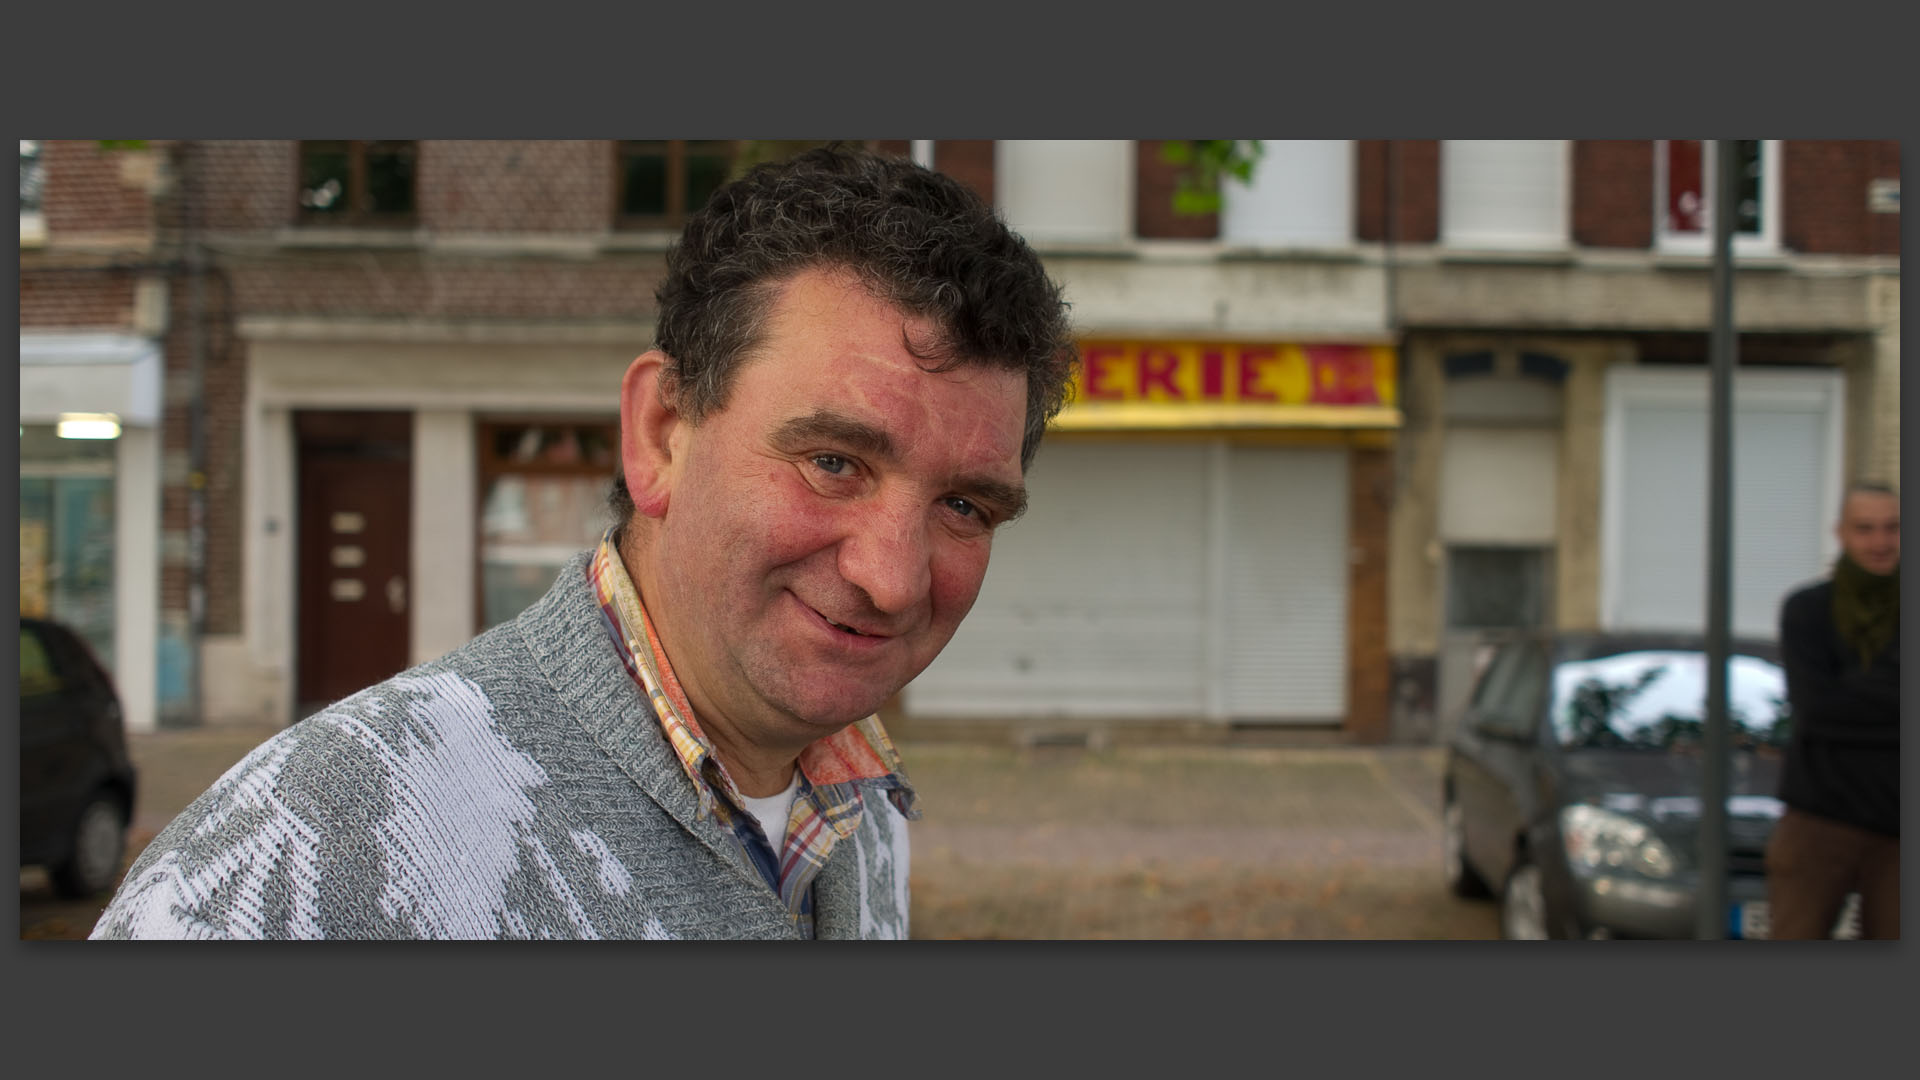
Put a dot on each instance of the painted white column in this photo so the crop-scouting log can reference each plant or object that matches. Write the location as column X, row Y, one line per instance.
column 269, row 584
column 445, row 514
column 136, row 575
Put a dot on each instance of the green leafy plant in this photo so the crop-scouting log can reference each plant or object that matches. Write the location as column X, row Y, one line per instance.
column 1202, row 162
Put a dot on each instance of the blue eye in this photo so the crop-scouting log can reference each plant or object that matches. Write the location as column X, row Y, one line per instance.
column 962, row 507
column 830, row 463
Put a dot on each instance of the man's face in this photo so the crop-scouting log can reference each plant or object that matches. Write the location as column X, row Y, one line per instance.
column 1870, row 531
column 827, row 530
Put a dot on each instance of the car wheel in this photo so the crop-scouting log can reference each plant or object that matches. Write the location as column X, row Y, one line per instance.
column 1462, row 879
column 1523, row 904
column 99, row 839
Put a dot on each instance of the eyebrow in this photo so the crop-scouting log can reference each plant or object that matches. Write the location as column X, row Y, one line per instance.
column 840, row 429
column 829, row 426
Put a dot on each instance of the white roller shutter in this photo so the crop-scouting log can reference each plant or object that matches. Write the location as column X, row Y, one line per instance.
column 1094, row 602
column 1786, row 473
column 1504, row 193
column 1160, row 581
column 1066, row 190
column 1285, row 642
column 1301, row 194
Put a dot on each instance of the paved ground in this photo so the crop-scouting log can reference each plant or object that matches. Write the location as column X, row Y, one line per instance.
column 1215, row 842
column 1049, row 842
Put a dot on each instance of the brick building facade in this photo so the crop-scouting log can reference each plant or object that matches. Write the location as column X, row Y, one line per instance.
column 465, row 341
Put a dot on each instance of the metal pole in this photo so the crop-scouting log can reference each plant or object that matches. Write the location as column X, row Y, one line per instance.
column 1712, row 914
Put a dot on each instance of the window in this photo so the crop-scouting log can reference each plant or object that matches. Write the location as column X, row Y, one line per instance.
column 1497, row 587
column 33, row 178
column 357, row 183
column 659, row 183
column 1066, row 190
column 37, row 673
column 1301, row 195
column 1504, row 193
column 67, row 533
column 1684, row 174
column 543, row 498
column 1654, row 700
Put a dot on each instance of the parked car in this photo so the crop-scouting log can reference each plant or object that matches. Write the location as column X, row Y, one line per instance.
column 76, row 780
column 1572, row 784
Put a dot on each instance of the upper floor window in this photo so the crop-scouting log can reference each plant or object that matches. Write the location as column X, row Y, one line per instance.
column 357, row 182
column 1301, row 195
column 1684, row 172
column 33, row 178
column 1066, row 190
column 659, row 182
column 1504, row 193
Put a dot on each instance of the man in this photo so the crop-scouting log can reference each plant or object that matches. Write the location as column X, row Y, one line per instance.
column 854, row 364
column 1840, row 642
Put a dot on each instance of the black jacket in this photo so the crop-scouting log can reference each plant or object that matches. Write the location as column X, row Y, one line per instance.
column 1844, row 760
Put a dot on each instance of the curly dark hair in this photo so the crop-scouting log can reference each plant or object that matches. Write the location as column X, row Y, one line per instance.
column 916, row 238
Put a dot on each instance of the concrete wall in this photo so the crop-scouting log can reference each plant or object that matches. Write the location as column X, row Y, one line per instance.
column 1174, row 292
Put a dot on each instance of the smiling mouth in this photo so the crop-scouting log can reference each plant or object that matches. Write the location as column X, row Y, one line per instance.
column 843, row 628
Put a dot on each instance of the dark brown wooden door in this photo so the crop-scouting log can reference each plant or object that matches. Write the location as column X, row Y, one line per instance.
column 355, row 510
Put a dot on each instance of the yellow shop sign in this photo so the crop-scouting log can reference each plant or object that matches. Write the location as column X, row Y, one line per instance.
column 1124, row 384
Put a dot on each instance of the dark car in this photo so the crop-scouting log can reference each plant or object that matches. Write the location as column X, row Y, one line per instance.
column 1572, row 784
column 76, row 780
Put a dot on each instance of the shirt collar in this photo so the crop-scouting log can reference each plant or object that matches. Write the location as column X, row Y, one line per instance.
column 858, row 752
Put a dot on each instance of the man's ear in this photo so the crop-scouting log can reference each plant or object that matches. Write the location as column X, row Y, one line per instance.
column 648, row 424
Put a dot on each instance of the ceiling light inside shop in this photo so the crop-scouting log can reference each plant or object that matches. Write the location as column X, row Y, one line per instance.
column 88, row 426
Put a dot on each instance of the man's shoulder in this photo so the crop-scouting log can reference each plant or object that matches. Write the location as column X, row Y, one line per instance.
column 1810, row 599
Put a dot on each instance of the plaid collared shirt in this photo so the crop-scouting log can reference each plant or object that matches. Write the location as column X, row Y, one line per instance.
column 832, row 770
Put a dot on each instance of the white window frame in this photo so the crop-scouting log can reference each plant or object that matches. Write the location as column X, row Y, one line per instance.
column 1765, row 242
column 1560, row 240
column 1692, row 387
column 33, row 223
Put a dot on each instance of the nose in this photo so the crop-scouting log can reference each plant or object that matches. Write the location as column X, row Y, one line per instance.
column 886, row 554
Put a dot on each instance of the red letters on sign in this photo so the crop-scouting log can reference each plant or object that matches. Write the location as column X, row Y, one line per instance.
column 1342, row 375
column 1156, row 369
column 1252, row 359
column 1093, row 365
column 1213, row 375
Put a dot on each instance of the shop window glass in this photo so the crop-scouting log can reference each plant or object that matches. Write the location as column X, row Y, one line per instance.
column 543, row 499
column 67, row 534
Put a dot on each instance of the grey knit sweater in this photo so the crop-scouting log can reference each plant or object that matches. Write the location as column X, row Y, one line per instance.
column 519, row 787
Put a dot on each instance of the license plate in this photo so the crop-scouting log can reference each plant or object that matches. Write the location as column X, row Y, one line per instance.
column 1748, row 921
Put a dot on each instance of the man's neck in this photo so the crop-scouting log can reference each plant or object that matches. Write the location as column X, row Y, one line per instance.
column 756, row 771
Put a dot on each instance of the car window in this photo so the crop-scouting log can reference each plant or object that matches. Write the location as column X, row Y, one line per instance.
column 1493, row 680
column 37, row 674
column 1656, row 700
column 1513, row 706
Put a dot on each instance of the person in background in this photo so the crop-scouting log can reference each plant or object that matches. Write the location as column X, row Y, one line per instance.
column 1840, row 644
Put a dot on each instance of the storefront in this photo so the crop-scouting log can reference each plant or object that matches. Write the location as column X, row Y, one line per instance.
column 90, row 506
column 1206, row 543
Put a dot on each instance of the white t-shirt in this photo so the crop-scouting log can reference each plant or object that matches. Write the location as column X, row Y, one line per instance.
column 772, row 813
